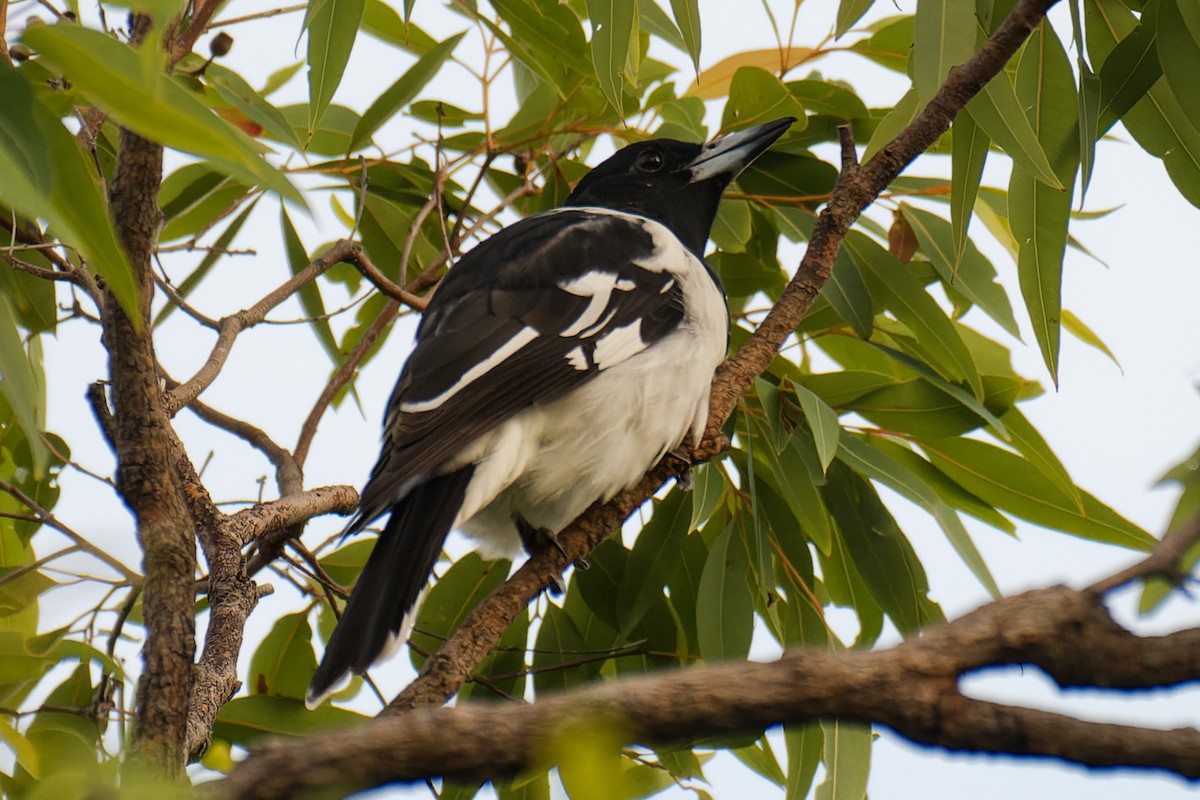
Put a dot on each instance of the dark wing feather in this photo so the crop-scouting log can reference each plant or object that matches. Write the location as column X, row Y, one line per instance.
column 504, row 305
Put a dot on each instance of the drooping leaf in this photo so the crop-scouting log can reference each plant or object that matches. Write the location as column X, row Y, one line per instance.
column 823, row 421
column 850, row 12
column 687, row 17
column 403, row 91
column 332, row 27
column 651, row 557
column 1177, row 31
column 943, row 37
column 893, row 285
column 970, row 148
column 310, row 295
column 878, row 463
column 1038, row 213
column 612, row 30
column 1010, row 483
column 724, row 607
column 847, row 292
column 755, row 96
column 999, row 112
column 847, row 757
column 1083, row 333
column 234, row 90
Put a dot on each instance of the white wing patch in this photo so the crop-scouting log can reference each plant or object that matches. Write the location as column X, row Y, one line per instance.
column 522, row 338
column 618, row 345
column 599, row 286
column 578, row 359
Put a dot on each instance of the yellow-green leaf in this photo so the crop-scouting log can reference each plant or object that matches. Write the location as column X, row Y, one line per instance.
column 136, row 92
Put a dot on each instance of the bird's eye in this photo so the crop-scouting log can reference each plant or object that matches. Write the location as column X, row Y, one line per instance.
column 650, row 161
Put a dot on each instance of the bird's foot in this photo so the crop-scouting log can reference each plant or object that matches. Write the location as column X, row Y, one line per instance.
column 535, row 539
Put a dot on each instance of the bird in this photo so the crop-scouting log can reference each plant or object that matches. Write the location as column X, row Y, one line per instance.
column 557, row 361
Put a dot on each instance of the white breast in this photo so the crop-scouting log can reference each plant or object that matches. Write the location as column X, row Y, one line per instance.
column 549, row 463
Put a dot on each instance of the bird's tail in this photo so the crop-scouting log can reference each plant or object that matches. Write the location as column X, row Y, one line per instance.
column 382, row 605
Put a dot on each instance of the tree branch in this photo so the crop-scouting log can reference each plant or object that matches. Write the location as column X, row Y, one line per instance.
column 146, row 475
column 856, row 188
column 233, row 325
column 911, row 688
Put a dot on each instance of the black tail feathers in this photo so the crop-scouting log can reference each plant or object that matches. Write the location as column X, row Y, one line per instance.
column 392, row 580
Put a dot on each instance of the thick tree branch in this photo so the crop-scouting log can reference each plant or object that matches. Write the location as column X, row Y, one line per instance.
column 856, row 188
column 146, row 475
column 911, row 688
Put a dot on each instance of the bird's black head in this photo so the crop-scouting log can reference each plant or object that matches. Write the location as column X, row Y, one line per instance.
column 676, row 183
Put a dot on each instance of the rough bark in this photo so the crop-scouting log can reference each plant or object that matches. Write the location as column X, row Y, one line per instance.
column 146, row 476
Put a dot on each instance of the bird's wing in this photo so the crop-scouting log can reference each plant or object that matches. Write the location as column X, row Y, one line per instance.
column 534, row 311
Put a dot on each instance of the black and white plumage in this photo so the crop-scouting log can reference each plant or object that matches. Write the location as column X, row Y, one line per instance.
column 557, row 361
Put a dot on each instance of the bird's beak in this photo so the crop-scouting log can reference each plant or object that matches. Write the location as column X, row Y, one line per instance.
column 726, row 156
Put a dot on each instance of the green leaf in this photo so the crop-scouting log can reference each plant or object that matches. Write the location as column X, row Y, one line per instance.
column 235, row 91
column 823, row 421
column 245, row 720
column 1083, row 333
column 1011, row 483
column 969, row 149
column 44, row 174
column 724, row 607
column 142, row 98
column 1127, row 75
column 708, row 488
column 904, row 112
column 651, row 558
column 402, row 92
column 876, row 463
column 332, row 26
column 878, row 548
column 20, row 386
column 1179, row 52
column 1029, row 442
column 560, row 658
column 684, row 585
column 310, row 295
column 787, row 474
column 850, row 12
column 847, row 292
column 903, row 294
column 1000, row 114
column 687, row 17
column 755, row 96
column 284, row 662
column 847, row 757
column 381, row 21
column 889, row 45
column 453, row 596
column 943, row 37
column 804, row 746
column 760, row 759
column 612, row 30
column 966, row 270
column 1090, row 89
